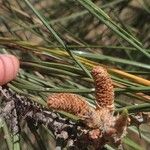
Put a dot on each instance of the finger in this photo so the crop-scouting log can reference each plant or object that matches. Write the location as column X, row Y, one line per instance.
column 9, row 66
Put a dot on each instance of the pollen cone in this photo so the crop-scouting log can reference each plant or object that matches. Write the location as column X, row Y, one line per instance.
column 71, row 103
column 104, row 91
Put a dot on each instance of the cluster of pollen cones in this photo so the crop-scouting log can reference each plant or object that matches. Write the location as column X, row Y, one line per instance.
column 104, row 125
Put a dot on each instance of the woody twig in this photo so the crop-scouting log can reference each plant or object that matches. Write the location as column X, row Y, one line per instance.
column 65, row 130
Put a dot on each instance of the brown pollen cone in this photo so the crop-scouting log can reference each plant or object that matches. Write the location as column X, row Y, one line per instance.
column 71, row 103
column 104, row 90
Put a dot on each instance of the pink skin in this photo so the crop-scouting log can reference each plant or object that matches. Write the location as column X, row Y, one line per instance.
column 9, row 67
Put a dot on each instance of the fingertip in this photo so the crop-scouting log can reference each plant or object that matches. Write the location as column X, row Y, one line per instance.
column 9, row 67
column 16, row 64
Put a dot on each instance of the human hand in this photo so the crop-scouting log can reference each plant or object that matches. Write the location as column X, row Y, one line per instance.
column 9, row 67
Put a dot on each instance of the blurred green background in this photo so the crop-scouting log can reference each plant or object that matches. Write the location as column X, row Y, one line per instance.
column 59, row 41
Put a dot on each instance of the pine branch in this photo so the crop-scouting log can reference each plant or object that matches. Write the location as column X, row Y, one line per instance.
column 65, row 130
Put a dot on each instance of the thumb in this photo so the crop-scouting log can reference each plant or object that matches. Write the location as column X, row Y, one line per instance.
column 9, row 66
